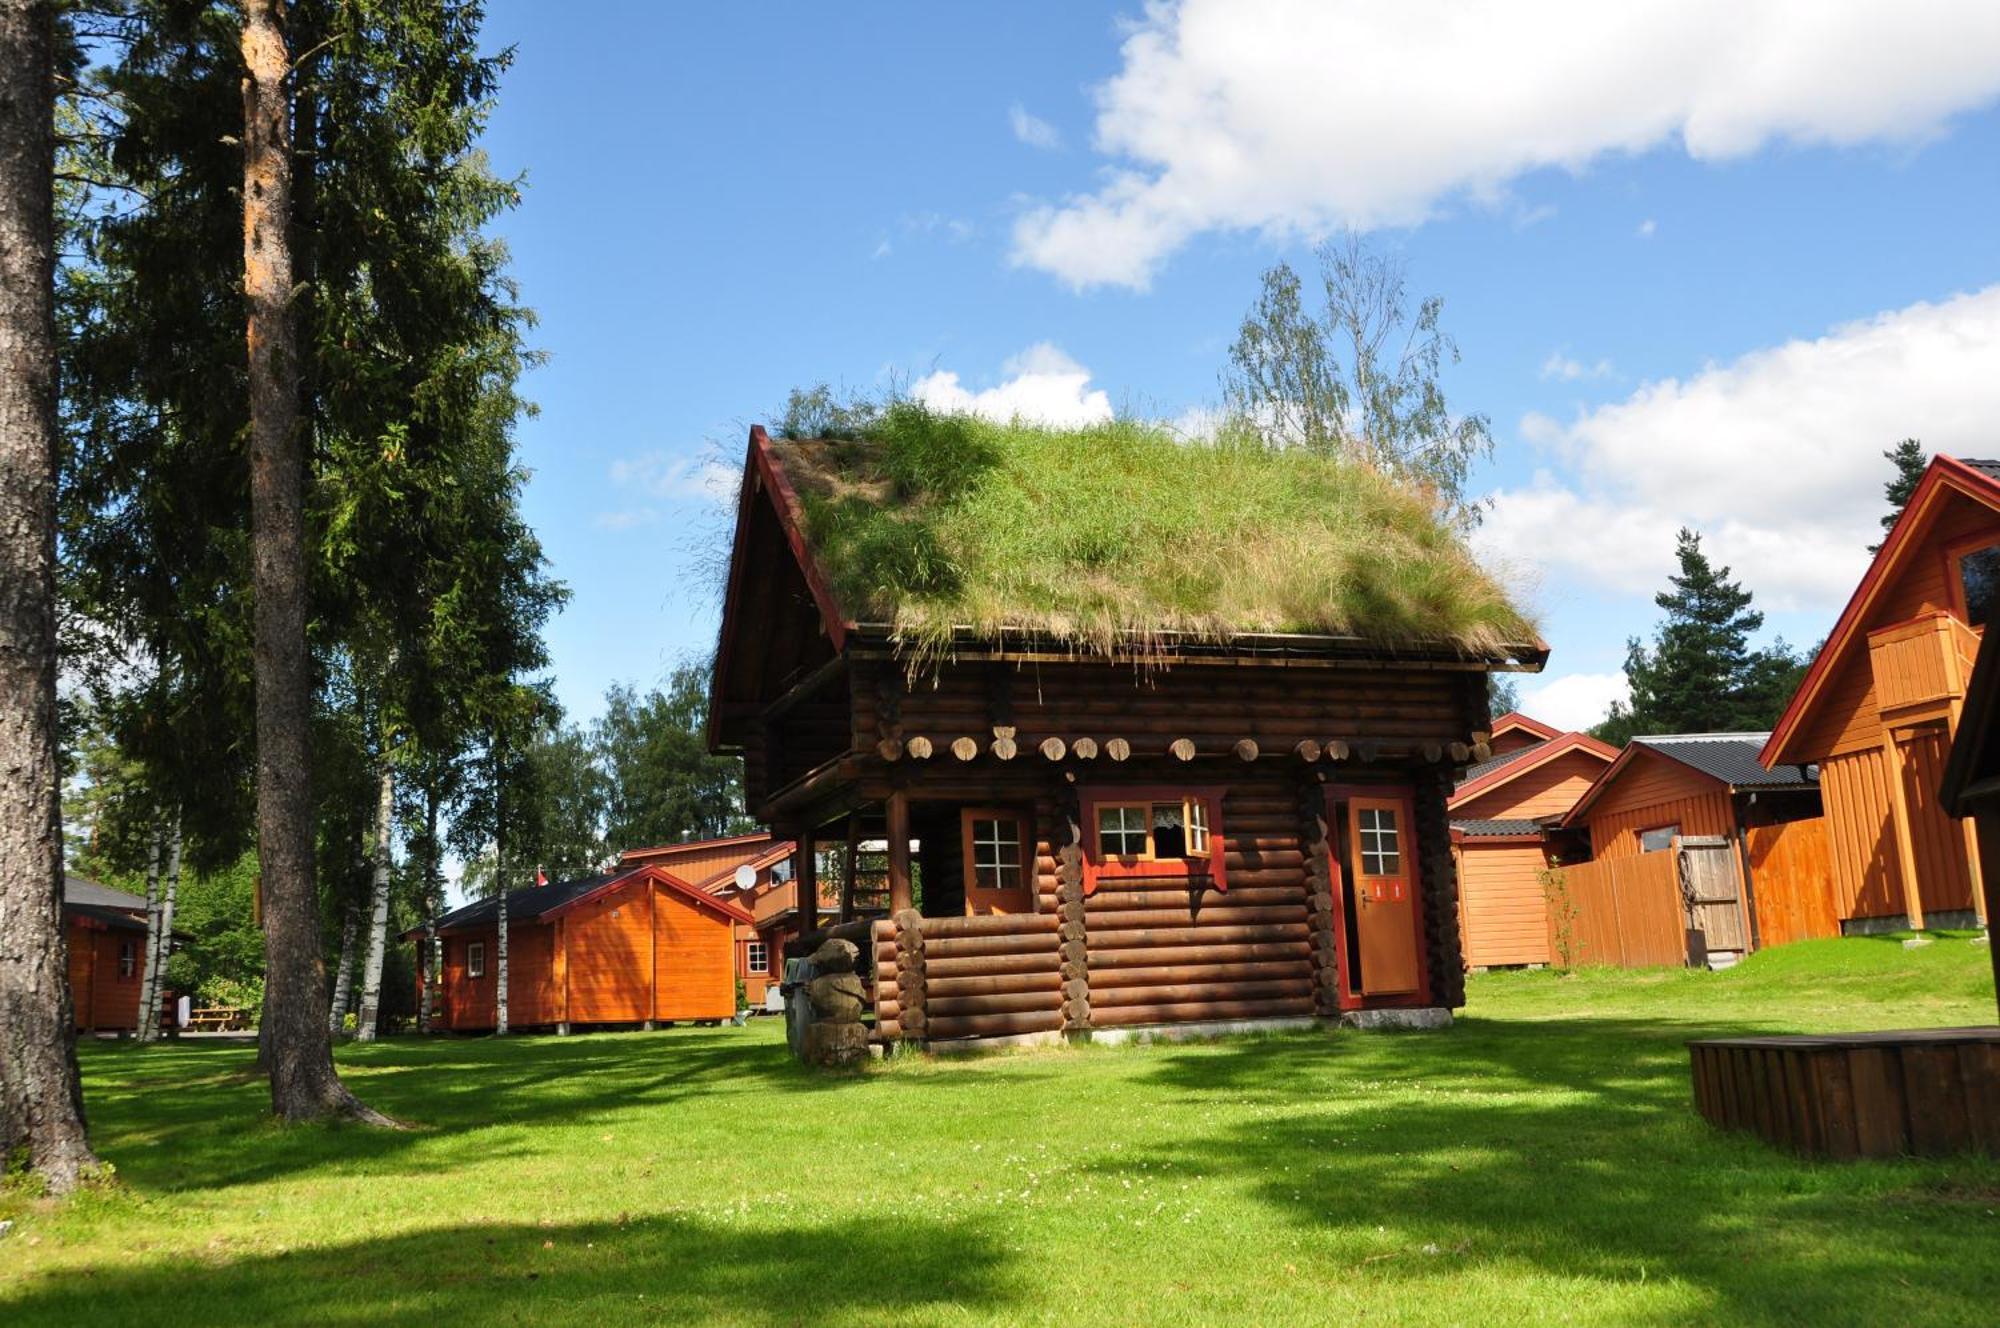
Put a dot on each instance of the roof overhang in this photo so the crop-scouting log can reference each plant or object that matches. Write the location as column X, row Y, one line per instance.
column 1541, row 756
column 1946, row 475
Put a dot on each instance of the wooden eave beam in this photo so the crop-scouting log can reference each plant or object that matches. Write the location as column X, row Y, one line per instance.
column 803, row 689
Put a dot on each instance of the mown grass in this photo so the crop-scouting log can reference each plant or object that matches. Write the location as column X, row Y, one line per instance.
column 1539, row 1163
column 1124, row 531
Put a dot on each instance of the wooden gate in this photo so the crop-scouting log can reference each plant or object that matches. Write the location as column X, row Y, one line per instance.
column 1712, row 892
column 1791, row 881
column 1621, row 911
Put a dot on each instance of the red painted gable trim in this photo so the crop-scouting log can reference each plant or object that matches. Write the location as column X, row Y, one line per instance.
column 1521, row 765
column 674, row 883
column 791, row 514
column 1617, row 767
column 1944, row 473
column 1514, row 719
column 694, row 845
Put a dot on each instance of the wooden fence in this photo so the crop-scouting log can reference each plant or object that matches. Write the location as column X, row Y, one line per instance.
column 1625, row 912
column 1792, row 882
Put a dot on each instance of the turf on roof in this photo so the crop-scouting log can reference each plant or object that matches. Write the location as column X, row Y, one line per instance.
column 1124, row 530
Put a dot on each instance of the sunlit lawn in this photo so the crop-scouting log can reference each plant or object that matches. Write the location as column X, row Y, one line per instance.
column 1539, row 1163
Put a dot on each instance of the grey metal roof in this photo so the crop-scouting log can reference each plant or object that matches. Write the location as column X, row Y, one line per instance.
column 1991, row 468
column 1507, row 828
column 1731, row 758
column 1491, row 764
column 529, row 903
column 80, row 890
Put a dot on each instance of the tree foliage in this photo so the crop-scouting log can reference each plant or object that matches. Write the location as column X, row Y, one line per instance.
column 1700, row 674
column 662, row 783
column 1909, row 461
column 1360, row 376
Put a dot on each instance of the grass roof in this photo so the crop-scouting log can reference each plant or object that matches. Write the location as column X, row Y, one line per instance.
column 1103, row 535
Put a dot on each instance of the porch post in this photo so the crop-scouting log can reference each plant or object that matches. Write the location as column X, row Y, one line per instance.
column 900, row 893
column 1906, row 852
column 805, row 880
column 847, row 866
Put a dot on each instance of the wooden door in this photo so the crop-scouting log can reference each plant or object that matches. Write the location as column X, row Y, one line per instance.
column 1385, row 895
column 996, row 864
column 1713, row 892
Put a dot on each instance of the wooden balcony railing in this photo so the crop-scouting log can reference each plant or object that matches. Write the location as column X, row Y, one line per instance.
column 1921, row 666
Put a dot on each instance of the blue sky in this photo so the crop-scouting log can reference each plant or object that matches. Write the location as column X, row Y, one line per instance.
column 1703, row 262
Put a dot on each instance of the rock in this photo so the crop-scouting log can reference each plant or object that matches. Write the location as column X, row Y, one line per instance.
column 836, row 956
column 836, row 1044
column 1426, row 1018
column 836, row 998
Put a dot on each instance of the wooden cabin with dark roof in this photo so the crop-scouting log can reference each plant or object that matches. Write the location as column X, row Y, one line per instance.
column 638, row 946
column 1501, row 817
column 106, row 929
column 1158, row 735
column 1879, row 707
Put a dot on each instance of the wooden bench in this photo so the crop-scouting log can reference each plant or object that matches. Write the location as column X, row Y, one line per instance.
column 217, row 1018
column 1930, row 1091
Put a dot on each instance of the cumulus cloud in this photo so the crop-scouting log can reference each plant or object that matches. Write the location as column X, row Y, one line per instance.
column 663, row 477
column 1647, row 228
column 1300, row 116
column 1775, row 457
column 1565, row 369
column 1042, row 384
column 1572, row 701
column 1032, row 129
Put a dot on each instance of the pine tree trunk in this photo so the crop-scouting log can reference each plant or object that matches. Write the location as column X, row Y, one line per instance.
column 149, row 995
column 343, row 976
column 41, row 1097
column 378, row 909
column 165, row 944
column 304, row 1083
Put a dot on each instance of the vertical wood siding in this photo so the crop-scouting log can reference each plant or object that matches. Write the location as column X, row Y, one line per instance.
column 1861, row 832
column 1792, row 881
column 1653, row 791
column 1624, row 911
column 1506, row 915
column 1548, row 790
column 694, row 964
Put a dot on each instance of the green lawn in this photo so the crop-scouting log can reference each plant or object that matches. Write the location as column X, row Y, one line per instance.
column 1539, row 1163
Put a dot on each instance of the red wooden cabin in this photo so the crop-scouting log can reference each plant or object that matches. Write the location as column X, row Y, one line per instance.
column 753, row 871
column 1168, row 835
column 638, row 946
column 1881, row 704
column 107, row 954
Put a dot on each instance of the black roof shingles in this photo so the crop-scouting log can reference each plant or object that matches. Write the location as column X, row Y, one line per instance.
column 1493, row 763
column 1509, row 829
column 1731, row 758
column 528, row 903
column 1985, row 467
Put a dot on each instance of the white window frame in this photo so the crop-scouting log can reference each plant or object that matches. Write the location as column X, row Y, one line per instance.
column 1006, row 834
column 1672, row 830
column 475, row 959
column 757, row 957
column 1381, row 843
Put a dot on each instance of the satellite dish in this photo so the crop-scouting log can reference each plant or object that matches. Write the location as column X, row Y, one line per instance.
column 746, row 876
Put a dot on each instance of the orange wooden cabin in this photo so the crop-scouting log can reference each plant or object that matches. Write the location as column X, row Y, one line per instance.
column 106, row 930
column 1883, row 699
column 755, row 872
column 638, row 946
column 1500, row 813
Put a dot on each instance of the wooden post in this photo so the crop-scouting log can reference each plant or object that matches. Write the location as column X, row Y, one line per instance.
column 653, row 952
column 912, row 1021
column 898, row 817
column 848, row 865
column 1072, row 936
column 1317, row 838
column 562, row 971
column 805, row 882
column 1906, row 852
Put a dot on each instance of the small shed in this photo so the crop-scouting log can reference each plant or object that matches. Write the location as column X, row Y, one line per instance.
column 755, row 872
column 106, row 929
column 637, row 946
column 1499, row 813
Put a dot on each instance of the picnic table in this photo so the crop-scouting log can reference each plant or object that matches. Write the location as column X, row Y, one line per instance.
column 218, row 1018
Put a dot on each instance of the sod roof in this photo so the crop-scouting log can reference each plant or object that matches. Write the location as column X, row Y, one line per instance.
column 934, row 526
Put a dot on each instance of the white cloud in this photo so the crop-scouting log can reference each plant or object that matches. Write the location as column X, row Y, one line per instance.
column 1774, row 457
column 1565, row 369
column 1032, row 129
column 1647, row 229
column 1572, row 701
column 665, row 478
column 1042, row 384
column 1299, row 116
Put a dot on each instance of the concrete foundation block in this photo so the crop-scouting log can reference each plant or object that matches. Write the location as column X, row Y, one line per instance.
column 1427, row 1018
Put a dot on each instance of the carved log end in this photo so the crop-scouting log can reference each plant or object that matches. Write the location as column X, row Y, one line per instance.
column 919, row 748
column 1181, row 749
column 1308, row 751
column 1084, row 749
column 1245, row 749
column 1054, row 748
column 1005, row 749
column 1338, row 750
column 964, row 748
column 890, row 749
column 1118, row 749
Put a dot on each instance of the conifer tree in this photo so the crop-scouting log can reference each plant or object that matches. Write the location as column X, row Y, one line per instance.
column 1910, row 461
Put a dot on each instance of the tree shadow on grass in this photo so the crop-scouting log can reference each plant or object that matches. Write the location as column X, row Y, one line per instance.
column 1572, row 1147
column 666, row 1269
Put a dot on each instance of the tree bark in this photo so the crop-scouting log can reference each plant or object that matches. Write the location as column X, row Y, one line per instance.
column 378, row 908
column 41, row 1097
column 343, row 973
column 500, row 958
column 149, row 991
column 165, row 942
column 304, row 1083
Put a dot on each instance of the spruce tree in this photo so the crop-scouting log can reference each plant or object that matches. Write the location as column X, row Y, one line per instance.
column 1910, row 461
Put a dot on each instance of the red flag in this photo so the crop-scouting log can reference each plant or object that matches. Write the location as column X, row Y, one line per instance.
column 541, row 877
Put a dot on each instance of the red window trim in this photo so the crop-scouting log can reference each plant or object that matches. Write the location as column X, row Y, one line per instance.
column 1096, row 869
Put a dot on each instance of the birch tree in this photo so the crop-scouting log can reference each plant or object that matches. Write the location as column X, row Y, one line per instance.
column 41, row 1096
column 160, row 935
column 378, row 905
column 149, row 976
column 343, row 972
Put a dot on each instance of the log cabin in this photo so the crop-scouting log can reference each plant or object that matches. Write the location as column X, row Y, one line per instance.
column 1879, row 707
column 1501, row 813
column 636, row 946
column 755, row 872
column 1181, row 765
column 106, row 930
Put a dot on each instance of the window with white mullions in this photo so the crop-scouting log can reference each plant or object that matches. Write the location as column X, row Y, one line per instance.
column 1197, row 828
column 1381, row 850
column 996, row 853
column 1121, row 831
column 759, row 959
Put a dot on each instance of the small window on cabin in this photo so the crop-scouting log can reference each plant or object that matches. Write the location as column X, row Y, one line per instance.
column 996, row 853
column 1657, row 838
column 1121, row 831
column 1197, row 828
column 475, row 959
column 760, row 957
column 1979, row 579
column 1381, row 842
column 128, row 959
